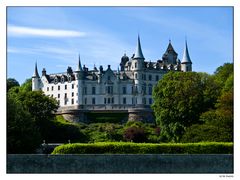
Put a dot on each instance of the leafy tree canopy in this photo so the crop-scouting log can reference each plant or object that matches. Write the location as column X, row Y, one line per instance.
column 178, row 102
column 222, row 73
column 11, row 82
column 22, row 134
column 27, row 85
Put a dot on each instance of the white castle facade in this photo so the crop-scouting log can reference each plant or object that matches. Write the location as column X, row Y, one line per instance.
column 126, row 90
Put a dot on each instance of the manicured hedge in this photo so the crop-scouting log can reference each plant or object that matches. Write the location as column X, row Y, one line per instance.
column 145, row 148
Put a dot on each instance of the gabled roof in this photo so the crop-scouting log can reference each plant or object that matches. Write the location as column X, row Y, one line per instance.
column 170, row 49
column 138, row 53
column 186, row 57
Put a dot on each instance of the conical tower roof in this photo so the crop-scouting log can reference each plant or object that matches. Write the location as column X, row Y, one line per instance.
column 186, row 57
column 79, row 67
column 138, row 53
column 35, row 74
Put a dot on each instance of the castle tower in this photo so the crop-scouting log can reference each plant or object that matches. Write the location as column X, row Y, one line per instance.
column 80, row 77
column 186, row 64
column 137, row 66
column 36, row 79
column 138, row 58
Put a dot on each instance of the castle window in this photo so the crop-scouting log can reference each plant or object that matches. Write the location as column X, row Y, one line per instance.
column 109, row 89
column 144, row 100
column 85, row 100
column 150, row 89
column 58, row 87
column 109, row 100
column 112, row 100
column 136, row 76
column 72, row 86
column 62, row 80
column 47, row 88
column 93, row 90
column 144, row 89
column 55, row 80
column 124, row 90
column 157, row 77
column 105, row 101
column 65, row 86
column 58, row 95
column 85, row 90
column 93, row 100
column 52, row 88
column 144, row 77
column 135, row 65
column 69, row 79
column 72, row 94
column 65, row 95
column 132, row 100
column 124, row 100
column 72, row 101
column 65, row 102
column 136, row 89
column 150, row 101
column 150, row 77
column 58, row 102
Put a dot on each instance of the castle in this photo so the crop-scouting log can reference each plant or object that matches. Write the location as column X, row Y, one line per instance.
column 126, row 90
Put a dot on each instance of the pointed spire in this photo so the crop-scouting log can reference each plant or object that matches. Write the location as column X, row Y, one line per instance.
column 36, row 71
column 186, row 57
column 79, row 67
column 138, row 53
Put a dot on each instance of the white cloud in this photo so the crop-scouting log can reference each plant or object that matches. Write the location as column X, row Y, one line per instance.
column 29, row 31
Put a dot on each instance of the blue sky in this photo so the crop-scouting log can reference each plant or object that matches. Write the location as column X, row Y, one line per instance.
column 54, row 36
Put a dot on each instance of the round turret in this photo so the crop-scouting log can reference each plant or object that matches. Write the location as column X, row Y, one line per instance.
column 124, row 60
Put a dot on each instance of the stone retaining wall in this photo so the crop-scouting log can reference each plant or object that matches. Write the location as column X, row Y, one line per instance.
column 120, row 163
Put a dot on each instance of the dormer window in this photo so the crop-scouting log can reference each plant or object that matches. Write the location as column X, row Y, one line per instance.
column 55, row 80
column 62, row 79
column 69, row 79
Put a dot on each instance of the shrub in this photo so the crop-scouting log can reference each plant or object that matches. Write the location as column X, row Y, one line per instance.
column 199, row 133
column 135, row 134
column 60, row 131
column 142, row 148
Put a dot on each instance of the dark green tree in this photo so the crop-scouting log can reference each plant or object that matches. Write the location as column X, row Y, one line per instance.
column 27, row 85
column 22, row 134
column 34, row 106
column 211, row 91
column 217, row 124
column 222, row 73
column 11, row 82
column 40, row 107
column 178, row 103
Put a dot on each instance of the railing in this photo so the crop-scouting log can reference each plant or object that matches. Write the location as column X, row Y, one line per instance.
column 104, row 107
